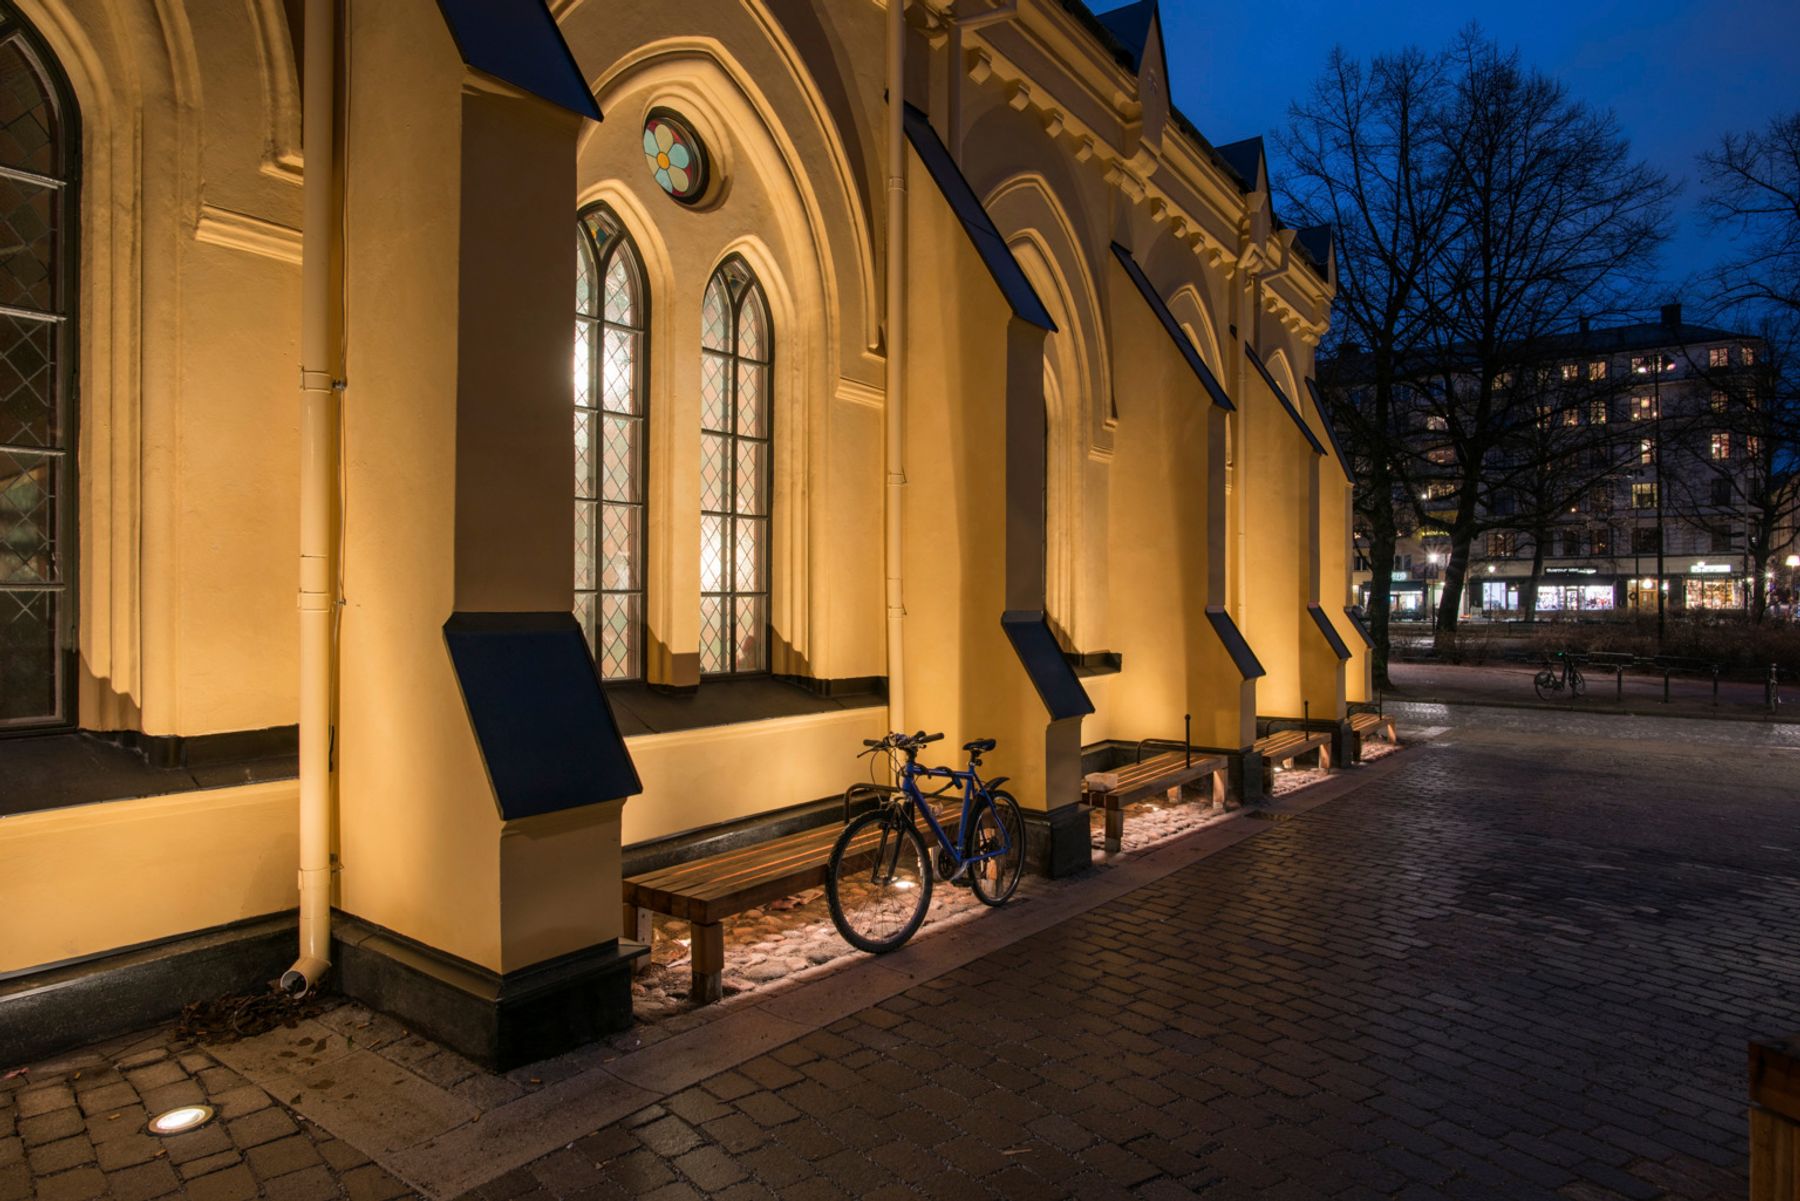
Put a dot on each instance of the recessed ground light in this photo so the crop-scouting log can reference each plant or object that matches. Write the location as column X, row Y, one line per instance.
column 181, row 1119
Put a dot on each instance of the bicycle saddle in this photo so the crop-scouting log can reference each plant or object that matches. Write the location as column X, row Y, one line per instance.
column 980, row 746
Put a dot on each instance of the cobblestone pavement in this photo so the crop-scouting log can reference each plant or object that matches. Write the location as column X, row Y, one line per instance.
column 1523, row 964
column 73, row 1129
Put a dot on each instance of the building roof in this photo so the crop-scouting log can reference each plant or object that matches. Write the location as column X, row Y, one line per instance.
column 995, row 254
column 519, row 43
column 1672, row 331
column 1177, row 335
column 1312, row 439
column 1130, row 28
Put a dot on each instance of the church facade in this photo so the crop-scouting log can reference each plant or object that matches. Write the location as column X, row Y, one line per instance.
column 641, row 343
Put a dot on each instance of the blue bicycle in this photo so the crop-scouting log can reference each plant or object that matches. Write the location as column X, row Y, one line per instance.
column 878, row 883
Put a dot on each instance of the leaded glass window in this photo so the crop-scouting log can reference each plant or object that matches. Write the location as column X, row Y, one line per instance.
column 38, row 141
column 610, row 427
column 736, row 351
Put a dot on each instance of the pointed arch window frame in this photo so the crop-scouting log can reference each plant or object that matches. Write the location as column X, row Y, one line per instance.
column 593, row 591
column 725, row 601
column 43, row 579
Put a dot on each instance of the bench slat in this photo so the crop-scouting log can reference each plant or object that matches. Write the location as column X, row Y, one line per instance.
column 709, row 890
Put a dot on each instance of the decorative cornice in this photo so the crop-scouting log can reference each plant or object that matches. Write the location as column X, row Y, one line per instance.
column 253, row 235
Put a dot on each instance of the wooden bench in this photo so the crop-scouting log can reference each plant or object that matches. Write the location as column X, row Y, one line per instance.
column 1112, row 791
column 704, row 892
column 1364, row 724
column 1284, row 746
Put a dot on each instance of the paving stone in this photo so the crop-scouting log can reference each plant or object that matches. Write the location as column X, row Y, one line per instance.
column 282, row 1156
column 208, row 1164
column 44, row 1099
column 370, row 1183
column 308, row 1184
column 49, row 1127
column 48, row 1158
column 229, row 1184
column 141, row 1182
column 134, row 1148
column 265, row 1125
column 79, row 1184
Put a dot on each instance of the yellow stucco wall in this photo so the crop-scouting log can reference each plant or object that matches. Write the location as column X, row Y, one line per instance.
column 92, row 878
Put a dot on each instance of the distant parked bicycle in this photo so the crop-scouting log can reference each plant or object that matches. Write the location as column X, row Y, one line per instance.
column 1551, row 681
column 878, row 882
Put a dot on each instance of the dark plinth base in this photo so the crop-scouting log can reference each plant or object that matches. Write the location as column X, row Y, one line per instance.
column 498, row 1020
column 1244, row 776
column 55, row 1008
column 1058, row 843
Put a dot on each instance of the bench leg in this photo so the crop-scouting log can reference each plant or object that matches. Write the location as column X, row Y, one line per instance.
column 1268, row 777
column 1393, row 735
column 1115, row 828
column 1218, row 789
column 640, row 925
column 1356, row 747
column 1325, row 758
column 708, row 961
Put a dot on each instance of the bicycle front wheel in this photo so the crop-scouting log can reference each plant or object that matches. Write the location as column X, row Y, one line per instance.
column 878, row 883
column 1577, row 683
column 1546, row 683
column 998, row 824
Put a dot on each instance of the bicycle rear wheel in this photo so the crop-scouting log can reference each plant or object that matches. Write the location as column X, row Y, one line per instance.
column 1546, row 683
column 878, row 882
column 993, row 880
column 1577, row 682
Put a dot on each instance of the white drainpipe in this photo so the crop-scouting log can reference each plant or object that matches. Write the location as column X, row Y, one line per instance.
column 318, row 489
column 896, row 346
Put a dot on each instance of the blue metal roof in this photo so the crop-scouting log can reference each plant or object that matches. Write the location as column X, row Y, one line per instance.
column 1248, row 665
column 517, row 41
column 994, row 252
column 1173, row 328
column 1330, row 631
column 1056, row 682
column 543, row 722
column 1299, row 421
column 1312, row 387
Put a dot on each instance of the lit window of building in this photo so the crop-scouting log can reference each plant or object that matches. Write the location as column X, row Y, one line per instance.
column 609, row 443
column 736, row 350
column 1643, row 496
column 1571, row 370
column 1598, row 412
column 1501, row 544
column 1644, row 408
column 1747, row 355
column 1646, row 451
column 1721, row 446
column 1719, row 356
column 1720, row 401
column 1597, row 369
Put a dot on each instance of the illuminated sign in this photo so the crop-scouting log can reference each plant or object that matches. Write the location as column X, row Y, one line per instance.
column 1710, row 569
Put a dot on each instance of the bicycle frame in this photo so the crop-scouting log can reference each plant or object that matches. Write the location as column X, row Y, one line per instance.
column 911, row 773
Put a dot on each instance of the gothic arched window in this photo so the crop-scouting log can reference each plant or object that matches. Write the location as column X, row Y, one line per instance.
column 39, row 146
column 737, row 347
column 611, row 304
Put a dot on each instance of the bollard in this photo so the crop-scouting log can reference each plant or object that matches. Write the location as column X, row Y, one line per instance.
column 1187, row 737
column 1715, row 685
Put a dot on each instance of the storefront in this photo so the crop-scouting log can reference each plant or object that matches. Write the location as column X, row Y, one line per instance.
column 1553, row 596
column 1711, row 586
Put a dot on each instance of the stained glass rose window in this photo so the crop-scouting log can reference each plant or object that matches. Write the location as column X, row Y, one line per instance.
column 676, row 158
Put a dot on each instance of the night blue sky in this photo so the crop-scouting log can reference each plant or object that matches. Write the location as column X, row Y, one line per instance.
column 1677, row 74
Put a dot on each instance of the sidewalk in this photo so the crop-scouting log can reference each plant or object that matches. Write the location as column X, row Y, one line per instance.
column 1510, row 685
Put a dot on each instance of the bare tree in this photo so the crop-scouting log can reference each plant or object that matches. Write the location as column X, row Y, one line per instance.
column 1551, row 218
column 1365, row 157
column 1752, row 184
column 1752, row 191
